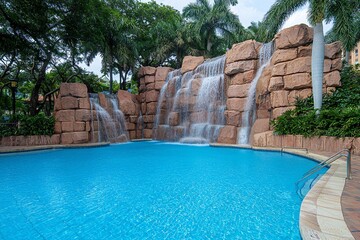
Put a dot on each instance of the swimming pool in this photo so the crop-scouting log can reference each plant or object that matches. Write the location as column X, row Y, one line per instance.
column 150, row 190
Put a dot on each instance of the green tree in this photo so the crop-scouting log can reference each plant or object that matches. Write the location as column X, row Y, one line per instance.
column 318, row 12
column 211, row 22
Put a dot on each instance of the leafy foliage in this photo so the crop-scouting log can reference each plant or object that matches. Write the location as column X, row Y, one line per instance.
column 340, row 116
column 29, row 125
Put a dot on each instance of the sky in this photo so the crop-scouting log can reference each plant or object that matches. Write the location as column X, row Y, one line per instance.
column 247, row 10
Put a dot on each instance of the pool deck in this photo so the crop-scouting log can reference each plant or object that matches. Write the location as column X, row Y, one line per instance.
column 331, row 210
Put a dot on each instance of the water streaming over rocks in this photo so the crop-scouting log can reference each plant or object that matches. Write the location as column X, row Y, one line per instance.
column 108, row 122
column 191, row 106
column 249, row 114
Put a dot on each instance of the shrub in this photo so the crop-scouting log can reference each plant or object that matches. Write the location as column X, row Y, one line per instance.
column 339, row 117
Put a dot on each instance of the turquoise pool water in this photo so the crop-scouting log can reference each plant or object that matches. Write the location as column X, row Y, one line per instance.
column 150, row 190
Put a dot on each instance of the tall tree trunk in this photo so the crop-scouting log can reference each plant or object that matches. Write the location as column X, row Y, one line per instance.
column 317, row 65
column 208, row 44
column 34, row 99
column 111, row 79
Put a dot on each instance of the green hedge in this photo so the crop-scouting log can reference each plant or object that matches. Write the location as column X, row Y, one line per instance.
column 29, row 125
column 339, row 117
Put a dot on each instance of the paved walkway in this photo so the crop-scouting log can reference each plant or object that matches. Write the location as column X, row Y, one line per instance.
column 350, row 199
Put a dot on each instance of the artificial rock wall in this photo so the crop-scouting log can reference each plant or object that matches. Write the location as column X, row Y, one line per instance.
column 287, row 77
column 76, row 122
column 151, row 81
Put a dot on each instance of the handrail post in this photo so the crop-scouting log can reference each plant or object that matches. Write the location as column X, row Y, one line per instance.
column 348, row 165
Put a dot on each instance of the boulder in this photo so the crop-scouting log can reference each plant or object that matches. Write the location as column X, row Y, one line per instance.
column 174, row 118
column 161, row 73
column 261, row 125
column 84, row 103
column 152, row 96
column 336, row 64
column 294, row 36
column 74, row 138
column 283, row 55
column 293, row 95
column 333, row 50
column 149, row 79
column 190, row 63
column 279, row 98
column 279, row 111
column 67, row 126
column 148, row 70
column 299, row 65
column 276, row 83
column 233, row 118
column 297, row 81
column 83, row 115
column 242, row 51
column 304, row 51
column 159, row 85
column 151, row 108
column 249, row 76
column 79, row 126
column 227, row 135
column 236, row 91
column 241, row 66
column 65, row 116
column 73, row 89
column 237, row 79
column 332, row 79
column 236, row 104
column 69, row 103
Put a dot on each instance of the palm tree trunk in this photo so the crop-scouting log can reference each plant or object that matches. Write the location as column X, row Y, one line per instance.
column 317, row 65
column 111, row 80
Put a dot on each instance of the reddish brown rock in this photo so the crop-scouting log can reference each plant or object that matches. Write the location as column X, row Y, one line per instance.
column 356, row 146
column 67, row 126
column 73, row 89
column 152, row 96
column 57, row 104
column 149, row 79
column 279, row 98
column 293, row 95
column 263, row 82
column 65, row 116
column 238, row 91
column 147, row 133
column 69, row 103
column 227, row 135
column 299, row 65
column 233, row 118
column 249, row 76
column 304, row 51
column 83, row 115
column 236, row 104
column 279, row 69
column 57, row 127
column 279, row 111
column 130, row 126
column 332, row 79
column 276, row 83
column 297, row 81
column 263, row 113
column 195, row 86
column 190, row 63
column 159, row 85
column 161, row 73
column 79, row 126
column 148, row 70
column 261, row 125
column 151, row 108
column 150, row 86
column 174, row 119
column 327, row 65
column 294, row 36
column 260, row 139
column 242, row 51
column 336, row 64
column 330, row 90
column 237, row 79
column 55, row 139
column 241, row 66
column 283, row 55
column 333, row 50
column 84, row 103
column 103, row 101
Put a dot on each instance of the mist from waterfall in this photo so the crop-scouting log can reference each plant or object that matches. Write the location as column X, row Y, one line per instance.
column 249, row 114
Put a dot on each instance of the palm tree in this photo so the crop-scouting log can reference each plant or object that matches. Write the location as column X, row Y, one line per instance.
column 336, row 10
column 210, row 21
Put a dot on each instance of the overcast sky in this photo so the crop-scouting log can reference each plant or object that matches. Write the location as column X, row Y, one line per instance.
column 247, row 10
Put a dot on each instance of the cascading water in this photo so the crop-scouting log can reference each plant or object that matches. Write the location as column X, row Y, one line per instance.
column 109, row 123
column 249, row 114
column 191, row 106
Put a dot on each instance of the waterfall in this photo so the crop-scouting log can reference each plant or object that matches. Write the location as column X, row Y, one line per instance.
column 140, row 126
column 109, row 124
column 249, row 114
column 191, row 106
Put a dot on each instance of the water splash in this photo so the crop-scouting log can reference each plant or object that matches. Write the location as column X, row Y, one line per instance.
column 191, row 106
column 249, row 114
column 107, row 125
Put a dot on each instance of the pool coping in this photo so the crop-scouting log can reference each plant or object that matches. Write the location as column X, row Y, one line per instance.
column 321, row 215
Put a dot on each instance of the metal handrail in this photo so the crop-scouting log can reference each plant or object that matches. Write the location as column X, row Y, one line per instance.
column 330, row 160
column 301, row 148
